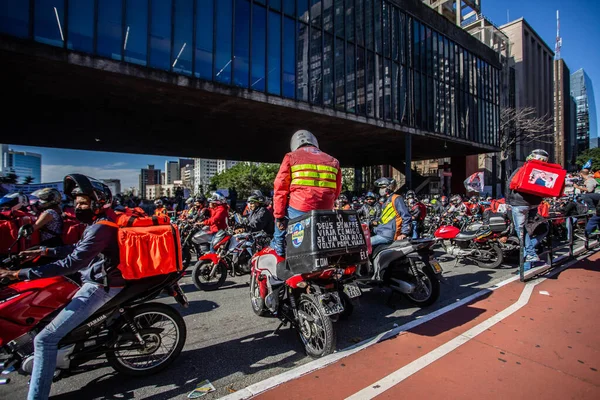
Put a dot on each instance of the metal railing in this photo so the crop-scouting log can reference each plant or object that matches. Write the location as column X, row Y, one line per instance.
column 589, row 243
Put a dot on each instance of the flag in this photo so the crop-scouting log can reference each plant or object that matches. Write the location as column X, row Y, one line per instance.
column 587, row 165
column 474, row 183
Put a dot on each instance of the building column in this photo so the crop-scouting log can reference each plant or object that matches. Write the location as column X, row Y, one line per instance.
column 408, row 160
column 459, row 174
column 458, row 12
column 359, row 183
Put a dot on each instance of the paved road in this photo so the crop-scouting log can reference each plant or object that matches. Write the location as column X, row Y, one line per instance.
column 230, row 346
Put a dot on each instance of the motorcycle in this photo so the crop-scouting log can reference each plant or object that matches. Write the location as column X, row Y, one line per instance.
column 478, row 244
column 408, row 268
column 312, row 297
column 136, row 337
column 232, row 255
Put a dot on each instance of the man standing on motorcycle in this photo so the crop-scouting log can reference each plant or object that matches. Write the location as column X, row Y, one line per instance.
column 395, row 220
column 259, row 218
column 308, row 179
column 95, row 257
column 524, row 210
column 371, row 210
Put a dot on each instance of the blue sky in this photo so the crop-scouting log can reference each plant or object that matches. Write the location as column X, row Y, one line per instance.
column 56, row 163
column 580, row 31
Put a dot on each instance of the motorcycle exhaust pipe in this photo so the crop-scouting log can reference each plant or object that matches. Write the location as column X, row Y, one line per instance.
column 402, row 286
column 4, row 381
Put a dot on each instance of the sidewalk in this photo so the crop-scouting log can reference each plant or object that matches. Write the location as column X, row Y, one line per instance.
column 534, row 340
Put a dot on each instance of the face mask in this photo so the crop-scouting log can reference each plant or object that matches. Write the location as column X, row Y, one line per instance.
column 382, row 191
column 85, row 215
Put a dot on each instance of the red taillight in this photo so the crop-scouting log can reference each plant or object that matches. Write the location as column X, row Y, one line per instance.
column 327, row 273
column 350, row 270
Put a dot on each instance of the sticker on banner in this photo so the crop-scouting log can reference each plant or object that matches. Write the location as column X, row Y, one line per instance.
column 297, row 234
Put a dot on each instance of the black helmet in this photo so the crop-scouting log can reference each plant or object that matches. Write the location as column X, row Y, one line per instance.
column 411, row 194
column 200, row 199
column 77, row 184
column 253, row 198
column 389, row 183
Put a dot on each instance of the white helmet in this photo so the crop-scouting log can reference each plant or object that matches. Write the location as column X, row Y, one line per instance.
column 303, row 138
column 538, row 154
column 217, row 198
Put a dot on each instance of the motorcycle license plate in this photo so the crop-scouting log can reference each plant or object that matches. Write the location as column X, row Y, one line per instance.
column 352, row 290
column 331, row 304
column 437, row 268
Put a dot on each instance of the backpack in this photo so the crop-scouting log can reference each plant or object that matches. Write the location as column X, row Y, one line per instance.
column 422, row 211
column 539, row 178
column 148, row 246
column 544, row 209
column 72, row 230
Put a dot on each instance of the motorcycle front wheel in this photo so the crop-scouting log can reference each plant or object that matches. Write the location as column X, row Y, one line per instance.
column 427, row 289
column 164, row 332
column 258, row 303
column 314, row 327
column 203, row 278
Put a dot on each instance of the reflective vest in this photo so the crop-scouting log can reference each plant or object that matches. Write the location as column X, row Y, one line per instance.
column 308, row 179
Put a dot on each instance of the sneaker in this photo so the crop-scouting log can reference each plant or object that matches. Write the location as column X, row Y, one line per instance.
column 532, row 259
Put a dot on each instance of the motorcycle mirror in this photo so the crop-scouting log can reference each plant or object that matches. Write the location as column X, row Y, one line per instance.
column 25, row 231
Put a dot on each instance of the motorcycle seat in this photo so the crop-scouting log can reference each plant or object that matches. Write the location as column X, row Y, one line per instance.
column 398, row 243
column 133, row 289
column 471, row 234
column 283, row 271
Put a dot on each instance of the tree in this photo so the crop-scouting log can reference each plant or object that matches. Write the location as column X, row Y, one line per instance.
column 521, row 127
column 9, row 178
column 347, row 179
column 28, row 180
column 245, row 177
column 589, row 154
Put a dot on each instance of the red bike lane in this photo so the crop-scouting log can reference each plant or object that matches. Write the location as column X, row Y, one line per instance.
column 534, row 340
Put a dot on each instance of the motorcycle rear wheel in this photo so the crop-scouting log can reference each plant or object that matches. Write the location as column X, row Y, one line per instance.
column 203, row 280
column 316, row 332
column 170, row 340
column 495, row 261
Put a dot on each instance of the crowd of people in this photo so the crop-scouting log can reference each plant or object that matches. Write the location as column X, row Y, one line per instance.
column 308, row 179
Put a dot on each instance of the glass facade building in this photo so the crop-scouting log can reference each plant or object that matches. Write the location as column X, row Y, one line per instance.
column 25, row 164
column 369, row 58
column 587, row 127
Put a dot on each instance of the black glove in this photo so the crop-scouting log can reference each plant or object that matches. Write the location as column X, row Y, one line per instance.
column 281, row 223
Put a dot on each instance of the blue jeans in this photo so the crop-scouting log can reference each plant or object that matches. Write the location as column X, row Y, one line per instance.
column 278, row 242
column 86, row 301
column 378, row 239
column 415, row 231
column 520, row 215
column 593, row 223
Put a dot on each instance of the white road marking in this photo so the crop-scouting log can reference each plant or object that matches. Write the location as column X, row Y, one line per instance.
column 315, row 365
column 401, row 374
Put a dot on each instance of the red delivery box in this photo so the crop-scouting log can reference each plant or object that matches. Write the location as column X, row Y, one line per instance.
column 540, row 179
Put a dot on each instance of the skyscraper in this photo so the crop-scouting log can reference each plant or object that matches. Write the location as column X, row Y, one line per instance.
column 583, row 93
column 148, row 176
column 172, row 172
column 21, row 163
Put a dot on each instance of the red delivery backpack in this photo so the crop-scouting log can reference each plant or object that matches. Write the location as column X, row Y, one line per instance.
column 148, row 246
column 540, row 179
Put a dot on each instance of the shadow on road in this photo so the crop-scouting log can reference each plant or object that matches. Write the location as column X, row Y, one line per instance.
column 245, row 356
